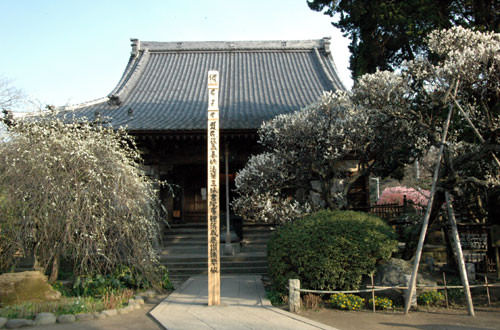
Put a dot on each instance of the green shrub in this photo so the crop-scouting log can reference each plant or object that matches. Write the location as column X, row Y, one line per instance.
column 430, row 298
column 96, row 286
column 276, row 298
column 123, row 277
column 455, row 296
column 346, row 301
column 381, row 303
column 329, row 250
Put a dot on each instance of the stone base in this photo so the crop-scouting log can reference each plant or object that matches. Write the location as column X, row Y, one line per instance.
column 230, row 249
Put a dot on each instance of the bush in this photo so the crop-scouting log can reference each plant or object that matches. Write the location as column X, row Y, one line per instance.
column 430, row 298
column 122, row 278
column 381, row 303
column 329, row 250
column 276, row 298
column 346, row 301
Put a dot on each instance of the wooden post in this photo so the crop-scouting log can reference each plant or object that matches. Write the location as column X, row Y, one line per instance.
column 445, row 290
column 213, row 190
column 425, row 222
column 487, row 289
column 497, row 258
column 294, row 295
column 495, row 242
column 459, row 254
column 373, row 292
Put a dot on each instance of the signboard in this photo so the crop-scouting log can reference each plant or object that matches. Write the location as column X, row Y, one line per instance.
column 213, row 189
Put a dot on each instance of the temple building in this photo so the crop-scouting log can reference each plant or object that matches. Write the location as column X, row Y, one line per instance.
column 162, row 97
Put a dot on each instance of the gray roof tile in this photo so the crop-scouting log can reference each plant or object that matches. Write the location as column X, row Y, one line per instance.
column 164, row 84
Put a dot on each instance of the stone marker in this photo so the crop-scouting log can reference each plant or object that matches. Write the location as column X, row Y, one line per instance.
column 294, row 295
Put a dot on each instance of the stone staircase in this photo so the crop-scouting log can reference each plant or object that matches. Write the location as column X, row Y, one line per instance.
column 185, row 252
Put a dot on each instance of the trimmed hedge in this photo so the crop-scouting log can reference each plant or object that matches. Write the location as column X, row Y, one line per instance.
column 329, row 250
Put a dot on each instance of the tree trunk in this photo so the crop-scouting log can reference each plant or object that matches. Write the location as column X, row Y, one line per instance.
column 54, row 272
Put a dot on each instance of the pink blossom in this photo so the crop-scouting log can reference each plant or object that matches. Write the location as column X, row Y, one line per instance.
column 395, row 195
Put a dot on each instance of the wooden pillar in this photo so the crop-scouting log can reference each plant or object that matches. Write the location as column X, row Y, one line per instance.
column 213, row 212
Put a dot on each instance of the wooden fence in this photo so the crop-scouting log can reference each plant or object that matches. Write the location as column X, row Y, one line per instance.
column 295, row 291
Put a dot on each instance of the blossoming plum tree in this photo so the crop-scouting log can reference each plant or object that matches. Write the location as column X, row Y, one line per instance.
column 389, row 120
column 76, row 191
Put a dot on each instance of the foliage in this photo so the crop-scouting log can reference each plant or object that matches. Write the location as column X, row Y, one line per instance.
column 383, row 303
column 302, row 147
column 76, row 190
column 465, row 78
column 276, row 297
column 455, row 296
column 67, row 305
column 329, row 250
column 389, row 120
column 430, row 298
column 385, row 33
column 122, row 278
column 308, row 159
column 346, row 301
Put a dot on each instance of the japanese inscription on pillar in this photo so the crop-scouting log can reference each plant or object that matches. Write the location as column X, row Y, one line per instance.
column 213, row 189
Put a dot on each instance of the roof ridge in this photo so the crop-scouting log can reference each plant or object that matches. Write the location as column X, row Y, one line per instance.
column 231, row 45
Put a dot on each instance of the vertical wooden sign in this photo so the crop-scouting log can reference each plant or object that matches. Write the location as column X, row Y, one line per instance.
column 213, row 190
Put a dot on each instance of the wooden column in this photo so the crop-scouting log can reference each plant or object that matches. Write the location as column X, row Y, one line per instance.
column 213, row 190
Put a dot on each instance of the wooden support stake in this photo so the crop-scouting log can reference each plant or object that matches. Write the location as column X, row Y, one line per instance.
column 373, row 292
column 294, row 295
column 445, row 290
column 497, row 258
column 459, row 254
column 487, row 289
column 425, row 222
column 213, row 209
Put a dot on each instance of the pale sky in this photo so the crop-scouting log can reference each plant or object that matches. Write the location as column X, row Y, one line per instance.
column 64, row 52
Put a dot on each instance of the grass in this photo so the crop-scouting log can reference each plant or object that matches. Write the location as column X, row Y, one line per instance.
column 68, row 305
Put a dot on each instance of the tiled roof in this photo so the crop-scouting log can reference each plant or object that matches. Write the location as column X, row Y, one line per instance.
column 164, row 84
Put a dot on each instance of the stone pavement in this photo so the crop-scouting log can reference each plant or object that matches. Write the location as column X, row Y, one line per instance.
column 243, row 306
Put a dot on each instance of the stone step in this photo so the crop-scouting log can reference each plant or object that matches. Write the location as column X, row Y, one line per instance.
column 232, row 270
column 185, row 251
column 180, row 242
column 255, row 240
column 242, row 256
column 226, row 264
column 224, row 270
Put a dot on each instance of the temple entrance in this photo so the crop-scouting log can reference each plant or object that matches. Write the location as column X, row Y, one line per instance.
column 195, row 194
